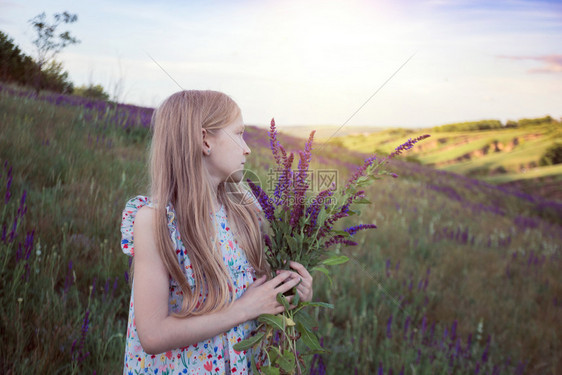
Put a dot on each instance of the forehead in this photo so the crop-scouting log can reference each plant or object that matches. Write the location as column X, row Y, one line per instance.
column 237, row 124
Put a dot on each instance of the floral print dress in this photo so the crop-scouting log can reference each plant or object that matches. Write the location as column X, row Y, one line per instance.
column 215, row 355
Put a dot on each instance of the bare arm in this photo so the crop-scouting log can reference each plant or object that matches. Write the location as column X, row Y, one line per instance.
column 159, row 332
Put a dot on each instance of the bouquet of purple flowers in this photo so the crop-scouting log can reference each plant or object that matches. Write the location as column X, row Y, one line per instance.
column 302, row 230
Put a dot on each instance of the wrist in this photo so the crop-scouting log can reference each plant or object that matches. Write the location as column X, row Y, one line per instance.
column 239, row 312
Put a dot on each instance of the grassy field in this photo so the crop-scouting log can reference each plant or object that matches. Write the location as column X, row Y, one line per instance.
column 461, row 276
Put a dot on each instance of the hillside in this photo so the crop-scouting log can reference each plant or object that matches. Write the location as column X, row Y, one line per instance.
column 460, row 276
column 498, row 155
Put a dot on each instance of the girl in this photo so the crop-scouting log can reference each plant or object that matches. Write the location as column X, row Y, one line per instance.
column 200, row 276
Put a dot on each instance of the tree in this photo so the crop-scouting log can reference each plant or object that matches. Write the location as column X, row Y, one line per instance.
column 552, row 155
column 48, row 44
column 14, row 65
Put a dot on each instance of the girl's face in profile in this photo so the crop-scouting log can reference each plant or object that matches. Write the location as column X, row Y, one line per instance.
column 228, row 153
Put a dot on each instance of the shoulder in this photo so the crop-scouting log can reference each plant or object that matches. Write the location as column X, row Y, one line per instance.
column 129, row 217
column 144, row 218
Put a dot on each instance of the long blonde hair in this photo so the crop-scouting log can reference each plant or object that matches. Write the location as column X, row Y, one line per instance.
column 178, row 176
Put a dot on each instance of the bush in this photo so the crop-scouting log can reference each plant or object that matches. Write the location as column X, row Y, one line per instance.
column 552, row 155
column 91, row 91
column 535, row 121
column 469, row 126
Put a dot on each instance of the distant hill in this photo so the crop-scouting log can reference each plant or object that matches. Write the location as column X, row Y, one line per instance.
column 487, row 150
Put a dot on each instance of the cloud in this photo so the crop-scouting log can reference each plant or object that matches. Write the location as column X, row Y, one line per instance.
column 551, row 63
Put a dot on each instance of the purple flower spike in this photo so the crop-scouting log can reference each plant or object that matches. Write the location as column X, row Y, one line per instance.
column 263, row 199
column 339, row 239
column 355, row 229
column 360, row 172
column 274, row 143
column 406, row 146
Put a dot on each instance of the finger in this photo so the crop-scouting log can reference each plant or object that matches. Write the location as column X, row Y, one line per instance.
column 293, row 274
column 287, row 285
column 300, row 269
column 260, row 280
column 283, row 276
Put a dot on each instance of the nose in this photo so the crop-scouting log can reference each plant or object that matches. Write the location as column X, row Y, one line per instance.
column 246, row 149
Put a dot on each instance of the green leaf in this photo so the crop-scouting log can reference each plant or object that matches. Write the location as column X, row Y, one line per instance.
column 307, row 321
column 324, row 270
column 253, row 365
column 336, row 259
column 292, row 243
column 362, row 179
column 282, row 300
column 363, row 201
column 273, row 353
column 297, row 297
column 320, row 304
column 308, row 337
column 248, row 343
column 268, row 370
column 275, row 321
column 287, row 362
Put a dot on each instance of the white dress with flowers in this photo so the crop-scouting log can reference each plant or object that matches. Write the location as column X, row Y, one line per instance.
column 215, row 355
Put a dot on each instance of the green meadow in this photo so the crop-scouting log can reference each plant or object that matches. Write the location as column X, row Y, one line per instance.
column 486, row 150
column 461, row 276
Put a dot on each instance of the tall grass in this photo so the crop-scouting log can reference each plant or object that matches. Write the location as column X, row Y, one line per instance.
column 460, row 276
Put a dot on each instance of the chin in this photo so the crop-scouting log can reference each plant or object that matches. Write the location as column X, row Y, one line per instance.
column 235, row 177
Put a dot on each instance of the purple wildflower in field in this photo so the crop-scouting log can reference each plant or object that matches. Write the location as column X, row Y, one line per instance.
column 424, row 325
column 458, row 348
column 406, row 326
column 78, row 353
column 389, row 328
column 8, row 194
column 454, row 330
column 381, row 370
column 486, row 350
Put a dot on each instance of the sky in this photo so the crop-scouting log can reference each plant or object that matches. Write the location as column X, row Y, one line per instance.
column 400, row 63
